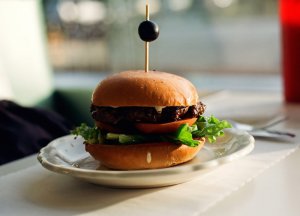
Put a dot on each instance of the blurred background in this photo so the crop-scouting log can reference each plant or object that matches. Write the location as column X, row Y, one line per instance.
column 216, row 36
column 217, row 44
column 211, row 42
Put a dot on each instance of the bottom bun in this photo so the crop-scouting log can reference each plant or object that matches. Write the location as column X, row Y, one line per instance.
column 143, row 156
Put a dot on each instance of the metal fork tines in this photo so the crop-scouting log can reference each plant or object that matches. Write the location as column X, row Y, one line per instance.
column 263, row 130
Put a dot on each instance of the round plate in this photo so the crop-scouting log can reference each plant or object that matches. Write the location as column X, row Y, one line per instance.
column 67, row 155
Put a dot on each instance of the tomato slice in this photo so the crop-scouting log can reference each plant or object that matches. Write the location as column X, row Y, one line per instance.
column 165, row 127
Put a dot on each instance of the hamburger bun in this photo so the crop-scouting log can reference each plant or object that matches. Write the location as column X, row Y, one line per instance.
column 137, row 88
column 143, row 156
column 133, row 90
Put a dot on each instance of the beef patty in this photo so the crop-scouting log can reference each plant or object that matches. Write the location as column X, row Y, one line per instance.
column 125, row 116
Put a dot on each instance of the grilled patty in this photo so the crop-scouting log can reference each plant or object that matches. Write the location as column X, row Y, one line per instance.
column 124, row 116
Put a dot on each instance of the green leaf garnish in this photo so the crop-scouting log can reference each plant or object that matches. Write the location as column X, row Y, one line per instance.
column 208, row 127
column 184, row 135
column 91, row 135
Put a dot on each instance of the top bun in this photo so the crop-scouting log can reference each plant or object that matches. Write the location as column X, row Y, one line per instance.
column 138, row 88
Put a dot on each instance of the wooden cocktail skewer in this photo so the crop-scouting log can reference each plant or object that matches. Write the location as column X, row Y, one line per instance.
column 147, row 43
column 148, row 32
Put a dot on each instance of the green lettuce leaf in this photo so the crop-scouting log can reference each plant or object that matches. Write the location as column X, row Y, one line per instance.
column 91, row 135
column 208, row 127
column 185, row 136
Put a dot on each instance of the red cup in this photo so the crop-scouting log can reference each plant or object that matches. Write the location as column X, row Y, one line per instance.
column 290, row 39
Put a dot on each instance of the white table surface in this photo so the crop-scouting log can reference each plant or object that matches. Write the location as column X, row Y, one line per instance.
column 273, row 191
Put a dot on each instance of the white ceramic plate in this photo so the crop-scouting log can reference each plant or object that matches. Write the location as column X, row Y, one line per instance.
column 66, row 155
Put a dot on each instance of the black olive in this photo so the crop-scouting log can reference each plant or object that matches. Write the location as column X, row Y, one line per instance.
column 148, row 31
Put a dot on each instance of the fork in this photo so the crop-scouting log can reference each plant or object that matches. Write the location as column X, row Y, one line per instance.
column 263, row 130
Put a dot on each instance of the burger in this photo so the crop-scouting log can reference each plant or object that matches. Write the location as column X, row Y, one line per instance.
column 147, row 120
